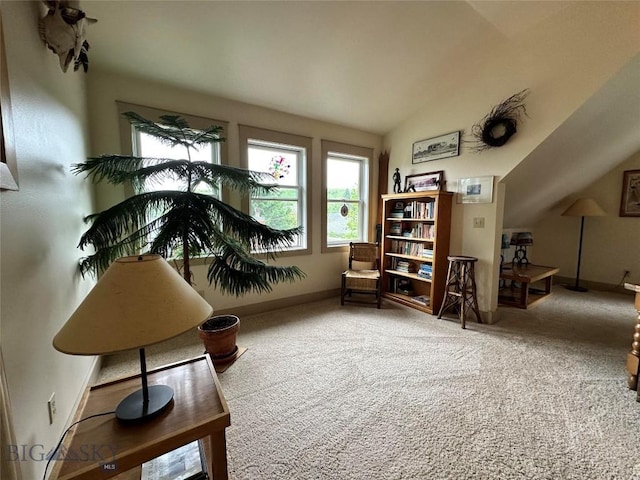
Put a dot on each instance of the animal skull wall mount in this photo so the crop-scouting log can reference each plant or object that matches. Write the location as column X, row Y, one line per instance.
column 64, row 29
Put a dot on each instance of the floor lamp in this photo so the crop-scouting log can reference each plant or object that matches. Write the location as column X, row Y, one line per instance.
column 583, row 207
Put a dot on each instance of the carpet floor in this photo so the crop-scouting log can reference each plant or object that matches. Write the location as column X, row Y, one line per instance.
column 353, row 392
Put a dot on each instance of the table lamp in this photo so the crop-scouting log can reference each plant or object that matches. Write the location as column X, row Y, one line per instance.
column 521, row 240
column 583, row 207
column 139, row 301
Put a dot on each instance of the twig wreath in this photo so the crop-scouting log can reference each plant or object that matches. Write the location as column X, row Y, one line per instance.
column 495, row 129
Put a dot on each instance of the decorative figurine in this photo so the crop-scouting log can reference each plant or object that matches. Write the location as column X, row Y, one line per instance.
column 397, row 188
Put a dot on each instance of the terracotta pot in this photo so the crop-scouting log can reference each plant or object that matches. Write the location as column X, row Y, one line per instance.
column 218, row 333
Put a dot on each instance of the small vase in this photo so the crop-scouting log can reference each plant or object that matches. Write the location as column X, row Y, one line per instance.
column 218, row 333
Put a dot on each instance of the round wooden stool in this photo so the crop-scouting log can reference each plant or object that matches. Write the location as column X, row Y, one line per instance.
column 460, row 290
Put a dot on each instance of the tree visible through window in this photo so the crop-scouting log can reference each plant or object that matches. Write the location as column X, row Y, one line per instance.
column 346, row 194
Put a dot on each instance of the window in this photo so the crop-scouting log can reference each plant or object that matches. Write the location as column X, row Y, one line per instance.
column 284, row 157
column 144, row 145
column 346, row 193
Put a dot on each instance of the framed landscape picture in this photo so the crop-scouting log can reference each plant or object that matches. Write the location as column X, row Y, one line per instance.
column 423, row 182
column 630, row 201
column 444, row 146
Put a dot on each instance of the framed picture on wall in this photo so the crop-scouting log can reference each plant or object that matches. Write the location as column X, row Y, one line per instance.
column 475, row 190
column 630, row 201
column 447, row 145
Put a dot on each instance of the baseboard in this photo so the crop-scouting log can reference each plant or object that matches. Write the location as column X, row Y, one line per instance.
column 279, row 303
column 90, row 379
column 490, row 317
column 559, row 281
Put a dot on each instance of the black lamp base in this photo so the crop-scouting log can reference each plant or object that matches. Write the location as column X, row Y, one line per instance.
column 576, row 288
column 133, row 409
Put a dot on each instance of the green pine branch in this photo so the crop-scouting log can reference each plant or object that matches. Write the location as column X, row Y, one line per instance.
column 183, row 222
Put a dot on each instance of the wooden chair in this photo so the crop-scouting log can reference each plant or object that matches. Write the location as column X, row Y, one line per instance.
column 363, row 274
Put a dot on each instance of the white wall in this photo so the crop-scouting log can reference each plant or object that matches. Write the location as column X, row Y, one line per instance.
column 322, row 270
column 40, row 227
column 610, row 243
column 562, row 60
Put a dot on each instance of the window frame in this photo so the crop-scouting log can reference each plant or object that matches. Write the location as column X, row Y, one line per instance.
column 346, row 150
column 249, row 133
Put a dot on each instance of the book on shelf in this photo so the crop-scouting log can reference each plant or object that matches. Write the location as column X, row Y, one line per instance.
column 422, row 210
column 395, row 229
column 422, row 300
column 183, row 463
column 425, row 271
column 397, row 211
column 404, row 266
column 426, row 252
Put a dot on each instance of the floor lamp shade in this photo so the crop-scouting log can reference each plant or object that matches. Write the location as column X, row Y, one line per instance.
column 139, row 301
column 583, row 207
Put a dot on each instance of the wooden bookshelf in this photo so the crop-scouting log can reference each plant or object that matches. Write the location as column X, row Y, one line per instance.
column 418, row 235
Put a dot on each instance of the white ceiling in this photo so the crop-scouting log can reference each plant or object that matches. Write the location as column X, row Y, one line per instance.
column 364, row 64
column 321, row 59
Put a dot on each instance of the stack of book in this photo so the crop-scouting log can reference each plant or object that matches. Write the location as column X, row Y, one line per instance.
column 395, row 229
column 425, row 271
column 427, row 253
column 397, row 211
column 403, row 266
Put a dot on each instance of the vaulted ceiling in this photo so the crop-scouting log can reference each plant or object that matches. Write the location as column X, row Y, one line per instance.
column 364, row 64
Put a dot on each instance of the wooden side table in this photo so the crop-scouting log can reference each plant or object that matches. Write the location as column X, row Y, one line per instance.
column 103, row 447
column 633, row 357
column 526, row 274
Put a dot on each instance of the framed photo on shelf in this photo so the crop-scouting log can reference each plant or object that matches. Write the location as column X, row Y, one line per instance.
column 423, row 182
column 444, row 146
column 475, row 190
column 630, row 201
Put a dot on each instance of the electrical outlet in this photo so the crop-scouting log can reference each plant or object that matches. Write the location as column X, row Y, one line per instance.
column 51, row 405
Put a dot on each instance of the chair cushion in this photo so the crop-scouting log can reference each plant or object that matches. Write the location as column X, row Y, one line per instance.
column 364, row 274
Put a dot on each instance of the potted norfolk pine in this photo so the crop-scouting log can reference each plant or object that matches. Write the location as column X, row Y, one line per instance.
column 186, row 222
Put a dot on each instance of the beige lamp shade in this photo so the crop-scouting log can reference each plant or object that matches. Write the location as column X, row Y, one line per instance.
column 584, row 207
column 139, row 301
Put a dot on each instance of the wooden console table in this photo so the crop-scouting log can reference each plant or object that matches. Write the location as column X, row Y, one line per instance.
column 106, row 448
column 526, row 275
column 633, row 357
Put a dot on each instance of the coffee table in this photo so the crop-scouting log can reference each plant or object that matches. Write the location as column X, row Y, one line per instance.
column 525, row 275
column 106, row 448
